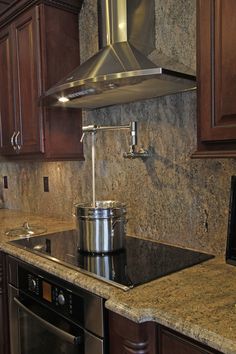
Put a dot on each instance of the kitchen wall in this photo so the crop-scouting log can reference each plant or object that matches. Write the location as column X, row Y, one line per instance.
column 170, row 197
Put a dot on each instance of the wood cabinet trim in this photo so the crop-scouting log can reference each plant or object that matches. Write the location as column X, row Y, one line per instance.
column 17, row 7
column 128, row 337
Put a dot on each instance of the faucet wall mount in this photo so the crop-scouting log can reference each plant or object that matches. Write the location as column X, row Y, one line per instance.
column 134, row 150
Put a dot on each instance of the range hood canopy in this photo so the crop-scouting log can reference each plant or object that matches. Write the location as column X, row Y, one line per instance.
column 121, row 71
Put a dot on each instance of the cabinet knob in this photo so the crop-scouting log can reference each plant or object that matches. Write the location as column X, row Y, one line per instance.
column 33, row 284
column 61, row 299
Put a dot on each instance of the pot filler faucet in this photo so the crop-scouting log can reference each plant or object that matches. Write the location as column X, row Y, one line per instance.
column 134, row 150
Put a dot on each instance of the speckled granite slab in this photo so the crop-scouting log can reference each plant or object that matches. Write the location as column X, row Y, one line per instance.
column 199, row 302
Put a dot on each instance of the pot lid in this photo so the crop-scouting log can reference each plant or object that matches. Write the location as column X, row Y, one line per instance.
column 26, row 230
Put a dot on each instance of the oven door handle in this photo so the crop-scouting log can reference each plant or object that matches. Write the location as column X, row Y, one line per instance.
column 57, row 331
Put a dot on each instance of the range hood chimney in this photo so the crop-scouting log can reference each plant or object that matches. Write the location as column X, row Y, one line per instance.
column 121, row 71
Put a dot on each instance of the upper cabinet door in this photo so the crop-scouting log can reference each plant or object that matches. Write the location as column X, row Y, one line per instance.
column 37, row 48
column 27, row 74
column 216, row 58
column 7, row 118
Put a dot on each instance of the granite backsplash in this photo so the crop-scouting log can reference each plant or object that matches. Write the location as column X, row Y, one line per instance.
column 170, row 197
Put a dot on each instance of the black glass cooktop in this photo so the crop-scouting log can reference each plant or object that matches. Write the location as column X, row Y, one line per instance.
column 140, row 262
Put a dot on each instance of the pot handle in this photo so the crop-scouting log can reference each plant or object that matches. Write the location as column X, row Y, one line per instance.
column 119, row 220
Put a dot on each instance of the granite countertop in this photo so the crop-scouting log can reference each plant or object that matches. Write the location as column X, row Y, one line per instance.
column 199, row 302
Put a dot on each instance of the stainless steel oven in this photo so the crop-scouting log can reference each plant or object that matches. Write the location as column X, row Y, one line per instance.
column 51, row 316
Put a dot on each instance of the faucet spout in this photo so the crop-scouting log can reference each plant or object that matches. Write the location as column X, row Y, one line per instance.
column 88, row 129
column 134, row 152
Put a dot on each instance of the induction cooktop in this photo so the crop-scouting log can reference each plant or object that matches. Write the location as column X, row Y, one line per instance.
column 141, row 261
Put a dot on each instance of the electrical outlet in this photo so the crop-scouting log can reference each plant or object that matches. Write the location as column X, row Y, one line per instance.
column 5, row 182
column 46, row 184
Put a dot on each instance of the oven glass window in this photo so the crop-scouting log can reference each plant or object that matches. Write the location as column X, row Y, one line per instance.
column 36, row 337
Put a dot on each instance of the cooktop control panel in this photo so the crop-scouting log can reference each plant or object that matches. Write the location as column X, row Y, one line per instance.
column 61, row 299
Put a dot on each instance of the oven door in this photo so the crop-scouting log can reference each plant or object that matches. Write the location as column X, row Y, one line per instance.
column 39, row 330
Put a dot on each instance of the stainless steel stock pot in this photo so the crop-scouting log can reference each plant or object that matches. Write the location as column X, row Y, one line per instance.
column 101, row 229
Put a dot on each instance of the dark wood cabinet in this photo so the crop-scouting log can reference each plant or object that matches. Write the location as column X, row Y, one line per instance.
column 4, row 4
column 4, row 334
column 216, row 72
column 38, row 46
column 7, row 117
column 128, row 337
column 170, row 342
column 21, row 116
column 150, row 338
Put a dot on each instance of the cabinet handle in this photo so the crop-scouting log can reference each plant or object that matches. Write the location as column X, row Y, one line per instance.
column 12, row 140
column 17, row 146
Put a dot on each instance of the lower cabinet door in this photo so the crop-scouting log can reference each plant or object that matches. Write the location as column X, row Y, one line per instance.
column 128, row 337
column 173, row 343
column 4, row 335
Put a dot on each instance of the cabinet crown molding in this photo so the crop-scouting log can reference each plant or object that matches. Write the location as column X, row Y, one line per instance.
column 17, row 7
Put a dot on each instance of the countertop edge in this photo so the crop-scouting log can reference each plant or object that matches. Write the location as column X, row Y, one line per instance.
column 195, row 332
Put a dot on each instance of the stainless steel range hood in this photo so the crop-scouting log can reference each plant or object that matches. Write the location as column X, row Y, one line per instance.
column 121, row 71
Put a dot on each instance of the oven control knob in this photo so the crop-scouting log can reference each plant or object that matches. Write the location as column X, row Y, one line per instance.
column 61, row 299
column 33, row 284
